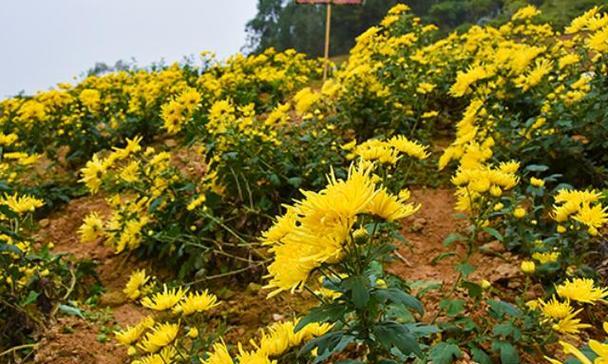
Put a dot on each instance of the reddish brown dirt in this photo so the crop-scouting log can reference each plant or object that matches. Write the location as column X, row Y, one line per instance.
column 72, row 339
column 426, row 231
column 75, row 340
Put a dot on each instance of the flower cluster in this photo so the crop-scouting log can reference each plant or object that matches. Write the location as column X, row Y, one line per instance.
column 317, row 229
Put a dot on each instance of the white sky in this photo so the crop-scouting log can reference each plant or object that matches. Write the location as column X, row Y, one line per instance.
column 43, row 42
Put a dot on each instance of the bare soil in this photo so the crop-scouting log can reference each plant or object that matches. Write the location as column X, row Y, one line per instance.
column 246, row 309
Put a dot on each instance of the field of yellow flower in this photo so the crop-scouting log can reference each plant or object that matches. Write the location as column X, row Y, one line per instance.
column 436, row 200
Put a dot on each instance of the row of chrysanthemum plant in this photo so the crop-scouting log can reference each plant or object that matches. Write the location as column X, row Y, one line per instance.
column 333, row 244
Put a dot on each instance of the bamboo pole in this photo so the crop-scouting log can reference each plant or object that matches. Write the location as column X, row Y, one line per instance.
column 327, row 33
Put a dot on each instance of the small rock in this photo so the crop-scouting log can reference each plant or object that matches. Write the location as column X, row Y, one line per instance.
column 418, row 224
column 513, row 284
column 277, row 317
column 170, row 142
column 254, row 287
column 493, row 246
column 44, row 223
column 112, row 299
column 226, row 294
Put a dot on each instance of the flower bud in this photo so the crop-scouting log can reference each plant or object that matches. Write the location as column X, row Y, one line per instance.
column 528, row 267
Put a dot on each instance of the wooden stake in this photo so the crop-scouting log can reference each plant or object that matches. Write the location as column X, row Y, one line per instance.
column 327, row 32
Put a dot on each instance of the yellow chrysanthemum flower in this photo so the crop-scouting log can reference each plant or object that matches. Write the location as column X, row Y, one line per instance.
column 164, row 300
column 581, row 290
column 91, row 229
column 136, row 282
column 131, row 334
column 219, row 355
column 555, row 309
column 196, row 302
column 160, row 336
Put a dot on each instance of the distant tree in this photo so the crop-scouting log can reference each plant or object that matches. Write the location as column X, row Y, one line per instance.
column 101, row 68
column 283, row 24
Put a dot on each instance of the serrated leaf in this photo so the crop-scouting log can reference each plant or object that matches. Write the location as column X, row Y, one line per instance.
column 498, row 236
column 502, row 308
column 391, row 334
column 422, row 330
column 452, row 238
column 359, row 290
column 444, row 353
column 472, row 288
column 452, row 307
column 508, row 354
column 465, row 269
column 480, row 356
column 325, row 313
column 398, row 296
column 503, row 329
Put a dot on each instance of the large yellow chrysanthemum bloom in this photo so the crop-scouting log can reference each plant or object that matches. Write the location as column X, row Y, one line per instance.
column 315, row 230
column 581, row 290
column 555, row 309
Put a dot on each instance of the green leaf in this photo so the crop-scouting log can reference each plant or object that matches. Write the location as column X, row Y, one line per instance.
column 503, row 329
column 473, row 289
column 465, row 269
column 422, row 330
column 480, row 356
column 295, row 181
column 444, row 353
column 9, row 248
column 536, row 168
column 508, row 354
column 31, row 298
column 452, row 307
column 398, row 296
column 391, row 334
column 6, row 211
column 71, row 310
column 494, row 233
column 359, row 287
column 501, row 308
column 326, row 313
column 274, row 179
column 333, row 347
column 547, row 268
column 452, row 238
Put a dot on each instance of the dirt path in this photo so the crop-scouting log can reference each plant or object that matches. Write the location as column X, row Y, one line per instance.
column 426, row 231
column 77, row 340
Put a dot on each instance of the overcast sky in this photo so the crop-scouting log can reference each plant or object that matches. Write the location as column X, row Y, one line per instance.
column 43, row 42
